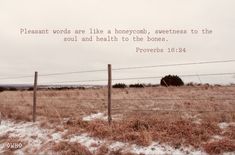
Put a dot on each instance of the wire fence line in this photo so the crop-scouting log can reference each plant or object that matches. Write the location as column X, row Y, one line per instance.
column 125, row 99
column 176, row 64
column 170, row 110
column 46, row 98
column 167, row 99
column 146, row 99
column 119, row 69
column 136, row 78
column 53, row 74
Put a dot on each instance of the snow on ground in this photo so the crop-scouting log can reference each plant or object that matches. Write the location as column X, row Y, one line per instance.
column 30, row 134
column 91, row 117
column 89, row 142
column 223, row 125
column 25, row 132
column 216, row 137
column 194, row 118
column 155, row 148
column 116, row 146
column 56, row 137
column 37, row 140
column 100, row 116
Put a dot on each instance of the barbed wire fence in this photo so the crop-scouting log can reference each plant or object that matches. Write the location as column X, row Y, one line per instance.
column 109, row 98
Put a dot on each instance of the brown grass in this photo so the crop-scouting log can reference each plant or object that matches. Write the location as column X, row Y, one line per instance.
column 190, row 126
column 229, row 133
column 55, row 105
column 65, row 148
column 143, row 130
column 218, row 147
column 4, row 138
column 103, row 150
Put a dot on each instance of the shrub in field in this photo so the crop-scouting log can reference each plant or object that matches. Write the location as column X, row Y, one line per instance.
column 171, row 80
column 191, row 84
column 30, row 88
column 137, row 85
column 66, row 88
column 119, row 85
column 206, row 86
column 8, row 89
column 152, row 85
column 2, row 89
column 13, row 89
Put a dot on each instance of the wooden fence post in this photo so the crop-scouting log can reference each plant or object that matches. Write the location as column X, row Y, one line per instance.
column 109, row 92
column 35, row 96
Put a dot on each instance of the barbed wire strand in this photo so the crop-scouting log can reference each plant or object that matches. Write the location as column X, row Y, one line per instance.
column 124, row 68
column 136, row 78
column 169, row 110
column 176, row 64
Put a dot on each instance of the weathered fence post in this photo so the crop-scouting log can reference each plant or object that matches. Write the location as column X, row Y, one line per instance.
column 35, row 96
column 109, row 92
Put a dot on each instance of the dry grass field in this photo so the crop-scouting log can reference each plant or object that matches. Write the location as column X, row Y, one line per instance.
column 201, row 117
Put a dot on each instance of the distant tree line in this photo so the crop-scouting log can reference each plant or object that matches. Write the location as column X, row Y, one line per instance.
column 5, row 88
column 169, row 80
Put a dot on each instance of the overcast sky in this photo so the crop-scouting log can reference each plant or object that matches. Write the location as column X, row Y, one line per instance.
column 22, row 55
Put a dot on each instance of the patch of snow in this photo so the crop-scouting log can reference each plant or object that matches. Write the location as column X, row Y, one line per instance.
column 156, row 148
column 4, row 126
column 229, row 153
column 27, row 132
column 56, row 136
column 66, row 120
column 116, row 146
column 117, row 117
column 198, row 121
column 223, row 125
column 19, row 152
column 38, row 138
column 217, row 137
column 156, row 108
column 150, row 150
column 101, row 116
column 1, row 147
column 194, row 118
column 34, row 136
column 91, row 117
column 87, row 141
column 153, row 149
column 190, row 116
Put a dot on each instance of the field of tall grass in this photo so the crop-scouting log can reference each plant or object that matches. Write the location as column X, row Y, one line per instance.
column 177, row 116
